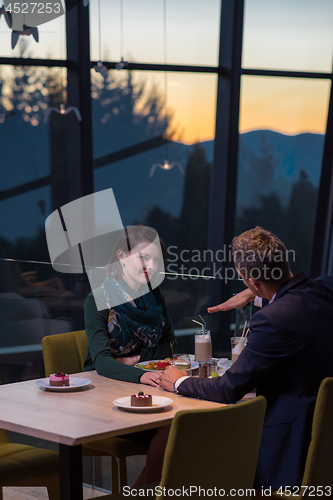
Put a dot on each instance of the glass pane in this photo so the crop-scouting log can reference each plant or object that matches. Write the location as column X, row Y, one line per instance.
column 129, row 108
column 285, row 35
column 51, row 43
column 26, row 93
column 192, row 35
column 280, row 153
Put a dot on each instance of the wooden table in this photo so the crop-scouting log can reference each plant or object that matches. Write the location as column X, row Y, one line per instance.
column 74, row 418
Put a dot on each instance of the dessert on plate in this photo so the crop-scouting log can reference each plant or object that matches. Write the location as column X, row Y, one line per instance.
column 141, row 399
column 59, row 379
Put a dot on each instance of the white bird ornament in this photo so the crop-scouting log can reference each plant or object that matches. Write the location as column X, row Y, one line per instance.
column 62, row 111
column 166, row 166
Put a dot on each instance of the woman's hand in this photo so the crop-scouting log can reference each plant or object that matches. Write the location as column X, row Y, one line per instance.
column 150, row 378
column 239, row 300
column 129, row 360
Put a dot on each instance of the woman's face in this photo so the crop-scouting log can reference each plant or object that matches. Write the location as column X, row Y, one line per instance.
column 140, row 264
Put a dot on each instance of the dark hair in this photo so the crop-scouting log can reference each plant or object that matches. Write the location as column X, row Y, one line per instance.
column 260, row 255
column 129, row 239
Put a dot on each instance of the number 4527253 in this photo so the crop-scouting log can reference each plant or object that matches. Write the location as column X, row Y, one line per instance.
column 308, row 491
column 33, row 7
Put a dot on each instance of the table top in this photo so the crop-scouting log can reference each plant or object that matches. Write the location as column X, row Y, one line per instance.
column 86, row 415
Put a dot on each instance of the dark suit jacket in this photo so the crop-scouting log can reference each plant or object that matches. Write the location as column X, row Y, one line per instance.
column 289, row 352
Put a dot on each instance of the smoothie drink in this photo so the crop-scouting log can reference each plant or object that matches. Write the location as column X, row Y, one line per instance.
column 237, row 346
column 203, row 346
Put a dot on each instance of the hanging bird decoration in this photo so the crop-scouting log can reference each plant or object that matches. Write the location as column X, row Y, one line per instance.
column 27, row 30
column 62, row 111
column 7, row 16
column 166, row 166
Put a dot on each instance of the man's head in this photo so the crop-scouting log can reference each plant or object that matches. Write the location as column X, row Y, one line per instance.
column 260, row 256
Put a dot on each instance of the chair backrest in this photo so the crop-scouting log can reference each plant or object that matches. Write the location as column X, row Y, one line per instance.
column 319, row 462
column 214, row 448
column 65, row 352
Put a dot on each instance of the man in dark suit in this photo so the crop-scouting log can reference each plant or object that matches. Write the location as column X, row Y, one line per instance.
column 289, row 352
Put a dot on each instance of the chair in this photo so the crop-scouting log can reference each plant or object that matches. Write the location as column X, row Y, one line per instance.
column 212, row 448
column 22, row 465
column 67, row 352
column 318, row 470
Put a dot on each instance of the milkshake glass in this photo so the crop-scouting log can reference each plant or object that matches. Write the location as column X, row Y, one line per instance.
column 202, row 346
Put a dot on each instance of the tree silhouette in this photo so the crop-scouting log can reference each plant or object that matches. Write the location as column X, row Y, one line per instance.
column 293, row 224
column 195, row 211
column 126, row 113
column 256, row 171
column 29, row 90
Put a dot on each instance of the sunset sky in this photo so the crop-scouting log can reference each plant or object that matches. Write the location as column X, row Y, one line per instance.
column 278, row 34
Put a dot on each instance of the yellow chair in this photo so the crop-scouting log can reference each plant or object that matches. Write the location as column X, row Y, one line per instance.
column 215, row 448
column 318, row 470
column 66, row 352
column 22, row 465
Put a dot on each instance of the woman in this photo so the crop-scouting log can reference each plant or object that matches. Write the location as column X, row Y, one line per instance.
column 138, row 328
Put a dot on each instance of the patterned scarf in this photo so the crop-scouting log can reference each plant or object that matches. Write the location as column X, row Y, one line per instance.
column 135, row 324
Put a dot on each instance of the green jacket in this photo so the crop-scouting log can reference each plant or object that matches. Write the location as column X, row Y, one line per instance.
column 99, row 355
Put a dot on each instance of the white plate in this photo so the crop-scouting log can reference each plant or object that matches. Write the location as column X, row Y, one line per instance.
column 194, row 365
column 159, row 402
column 74, row 384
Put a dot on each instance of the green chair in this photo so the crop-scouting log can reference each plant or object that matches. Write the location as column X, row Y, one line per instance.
column 22, row 465
column 318, row 470
column 66, row 352
column 212, row 448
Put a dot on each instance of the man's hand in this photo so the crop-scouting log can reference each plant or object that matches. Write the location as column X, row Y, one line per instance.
column 169, row 376
column 150, row 378
column 129, row 360
column 239, row 300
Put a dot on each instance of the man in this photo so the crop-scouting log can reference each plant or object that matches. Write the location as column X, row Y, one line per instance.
column 289, row 352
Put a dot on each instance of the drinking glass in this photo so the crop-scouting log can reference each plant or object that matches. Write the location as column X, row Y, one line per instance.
column 202, row 346
column 182, row 362
column 237, row 346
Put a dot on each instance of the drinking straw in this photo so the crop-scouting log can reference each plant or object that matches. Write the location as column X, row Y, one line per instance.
column 244, row 329
column 203, row 328
column 247, row 331
column 204, row 322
